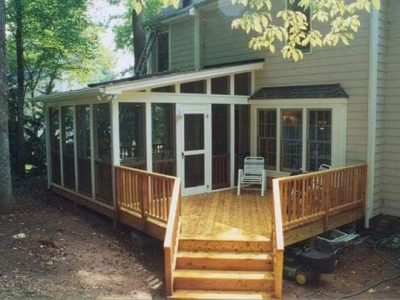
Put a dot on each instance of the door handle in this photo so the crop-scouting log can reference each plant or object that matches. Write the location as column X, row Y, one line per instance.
column 183, row 155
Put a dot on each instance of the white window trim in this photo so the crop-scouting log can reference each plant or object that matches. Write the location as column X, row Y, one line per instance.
column 339, row 117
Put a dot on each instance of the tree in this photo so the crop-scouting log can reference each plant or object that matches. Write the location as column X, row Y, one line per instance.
column 129, row 33
column 59, row 43
column 20, row 139
column 272, row 27
column 5, row 170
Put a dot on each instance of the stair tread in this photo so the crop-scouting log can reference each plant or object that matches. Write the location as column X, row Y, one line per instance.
column 221, row 274
column 201, row 294
column 224, row 239
column 224, row 255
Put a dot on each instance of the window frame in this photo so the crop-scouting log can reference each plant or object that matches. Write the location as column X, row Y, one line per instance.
column 338, row 134
column 155, row 56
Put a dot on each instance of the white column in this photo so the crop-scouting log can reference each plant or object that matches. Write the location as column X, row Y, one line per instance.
column 48, row 146
column 278, row 139
column 61, row 134
column 75, row 150
column 92, row 167
column 304, row 141
column 232, row 145
column 114, row 145
column 149, row 137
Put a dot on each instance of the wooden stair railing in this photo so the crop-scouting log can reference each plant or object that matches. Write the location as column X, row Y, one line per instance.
column 172, row 236
column 277, row 239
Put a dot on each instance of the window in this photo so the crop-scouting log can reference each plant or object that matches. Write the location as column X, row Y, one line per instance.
column 220, row 85
column 319, row 142
column 242, row 135
column 132, row 135
column 163, row 138
column 68, row 141
column 194, row 87
column 164, row 89
column 267, row 136
column 294, row 5
column 54, row 129
column 83, row 149
column 220, row 146
column 292, row 139
column 243, row 84
column 102, row 150
column 163, row 52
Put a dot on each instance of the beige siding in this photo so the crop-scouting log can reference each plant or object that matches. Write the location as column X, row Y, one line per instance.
column 379, row 141
column 219, row 42
column 182, row 45
column 391, row 171
column 347, row 65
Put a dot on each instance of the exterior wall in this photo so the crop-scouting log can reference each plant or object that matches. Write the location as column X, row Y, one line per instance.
column 347, row 65
column 217, row 36
column 182, row 45
column 391, row 173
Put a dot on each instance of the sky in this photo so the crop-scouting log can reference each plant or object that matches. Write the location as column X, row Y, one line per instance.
column 100, row 12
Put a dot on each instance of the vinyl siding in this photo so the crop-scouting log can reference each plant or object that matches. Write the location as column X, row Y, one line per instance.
column 379, row 138
column 219, row 42
column 182, row 45
column 347, row 65
column 391, row 171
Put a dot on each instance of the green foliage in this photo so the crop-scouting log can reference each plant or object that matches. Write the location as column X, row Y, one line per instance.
column 124, row 29
column 272, row 25
column 60, row 41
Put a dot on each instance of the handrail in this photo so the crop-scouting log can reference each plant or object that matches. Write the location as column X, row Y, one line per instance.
column 145, row 193
column 278, row 241
column 308, row 195
column 172, row 235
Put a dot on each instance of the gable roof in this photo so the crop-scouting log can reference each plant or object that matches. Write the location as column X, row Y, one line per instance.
column 300, row 92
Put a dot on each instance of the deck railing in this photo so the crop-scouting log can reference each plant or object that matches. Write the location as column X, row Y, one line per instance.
column 144, row 193
column 172, row 236
column 315, row 197
column 277, row 240
column 320, row 194
column 154, row 199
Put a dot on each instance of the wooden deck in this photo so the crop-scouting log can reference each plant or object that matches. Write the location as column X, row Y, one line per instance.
column 223, row 215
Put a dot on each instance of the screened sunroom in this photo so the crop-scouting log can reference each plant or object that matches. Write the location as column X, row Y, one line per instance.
column 193, row 125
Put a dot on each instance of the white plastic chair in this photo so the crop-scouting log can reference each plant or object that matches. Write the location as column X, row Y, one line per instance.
column 324, row 167
column 253, row 173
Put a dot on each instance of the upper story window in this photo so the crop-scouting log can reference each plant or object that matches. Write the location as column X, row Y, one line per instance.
column 162, row 54
column 186, row 3
column 294, row 5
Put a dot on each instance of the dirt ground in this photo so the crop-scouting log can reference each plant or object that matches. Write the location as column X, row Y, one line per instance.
column 50, row 248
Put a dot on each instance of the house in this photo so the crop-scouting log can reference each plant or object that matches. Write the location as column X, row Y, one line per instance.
column 208, row 101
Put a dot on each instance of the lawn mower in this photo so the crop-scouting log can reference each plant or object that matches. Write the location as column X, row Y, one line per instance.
column 305, row 262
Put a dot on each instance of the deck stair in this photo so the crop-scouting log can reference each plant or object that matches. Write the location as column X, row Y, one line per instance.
column 223, row 269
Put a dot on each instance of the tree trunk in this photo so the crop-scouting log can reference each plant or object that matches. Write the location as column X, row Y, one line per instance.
column 20, row 168
column 5, row 170
column 139, row 35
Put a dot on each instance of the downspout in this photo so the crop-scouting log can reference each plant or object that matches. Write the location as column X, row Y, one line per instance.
column 372, row 109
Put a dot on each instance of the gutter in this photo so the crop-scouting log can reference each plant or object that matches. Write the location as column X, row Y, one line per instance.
column 64, row 95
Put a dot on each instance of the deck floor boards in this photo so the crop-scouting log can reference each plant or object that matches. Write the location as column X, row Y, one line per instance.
column 223, row 215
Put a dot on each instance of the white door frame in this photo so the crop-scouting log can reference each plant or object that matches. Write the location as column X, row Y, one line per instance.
column 181, row 110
